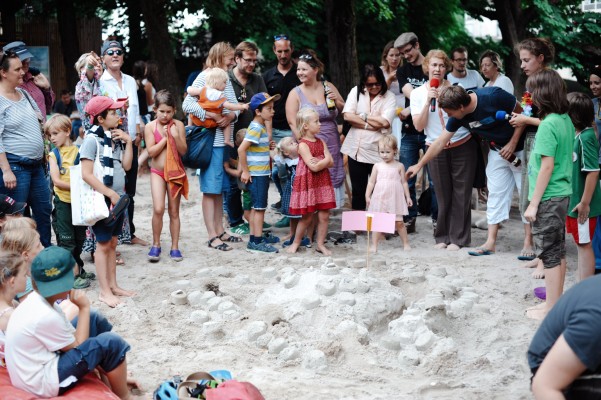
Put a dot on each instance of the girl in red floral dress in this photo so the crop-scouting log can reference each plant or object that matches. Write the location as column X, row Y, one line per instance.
column 312, row 190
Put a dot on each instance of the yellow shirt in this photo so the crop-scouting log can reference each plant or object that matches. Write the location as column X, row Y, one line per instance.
column 68, row 156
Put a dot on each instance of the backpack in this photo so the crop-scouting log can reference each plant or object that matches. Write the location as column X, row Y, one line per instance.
column 59, row 160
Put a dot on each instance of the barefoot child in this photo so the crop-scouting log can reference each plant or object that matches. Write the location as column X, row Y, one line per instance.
column 13, row 279
column 63, row 156
column 157, row 134
column 550, row 176
column 387, row 190
column 115, row 150
column 312, row 190
column 585, row 202
column 253, row 159
column 212, row 99
column 45, row 354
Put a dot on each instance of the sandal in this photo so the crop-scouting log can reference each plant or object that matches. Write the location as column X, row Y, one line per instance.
column 230, row 238
column 222, row 246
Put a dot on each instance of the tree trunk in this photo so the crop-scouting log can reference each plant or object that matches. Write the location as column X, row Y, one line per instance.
column 8, row 21
column 67, row 28
column 342, row 44
column 159, row 42
column 136, row 44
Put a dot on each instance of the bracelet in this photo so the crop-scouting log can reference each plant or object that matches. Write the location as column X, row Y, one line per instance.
column 90, row 66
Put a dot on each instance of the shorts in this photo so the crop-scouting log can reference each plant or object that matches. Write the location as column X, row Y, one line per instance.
column 246, row 200
column 258, row 187
column 102, row 349
column 214, row 179
column 582, row 233
column 279, row 134
column 549, row 230
column 105, row 232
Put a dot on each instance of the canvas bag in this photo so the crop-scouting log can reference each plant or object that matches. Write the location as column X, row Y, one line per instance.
column 87, row 205
column 200, row 147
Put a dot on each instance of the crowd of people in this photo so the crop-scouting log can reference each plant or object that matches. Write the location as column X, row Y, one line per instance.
column 291, row 125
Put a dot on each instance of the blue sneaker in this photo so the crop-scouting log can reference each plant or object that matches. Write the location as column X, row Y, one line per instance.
column 176, row 255
column 154, row 254
column 304, row 243
column 260, row 248
column 270, row 238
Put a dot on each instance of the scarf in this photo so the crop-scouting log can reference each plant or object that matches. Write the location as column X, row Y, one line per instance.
column 107, row 154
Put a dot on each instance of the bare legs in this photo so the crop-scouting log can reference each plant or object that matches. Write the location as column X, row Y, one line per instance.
column 323, row 218
column 554, row 281
column 106, row 267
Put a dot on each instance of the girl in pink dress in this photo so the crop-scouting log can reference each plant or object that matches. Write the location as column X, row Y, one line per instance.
column 387, row 190
column 312, row 190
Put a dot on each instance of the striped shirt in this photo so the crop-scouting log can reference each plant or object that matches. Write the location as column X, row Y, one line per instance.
column 257, row 154
column 20, row 128
column 191, row 106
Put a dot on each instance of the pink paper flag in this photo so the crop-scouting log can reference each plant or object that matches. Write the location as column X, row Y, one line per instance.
column 357, row 221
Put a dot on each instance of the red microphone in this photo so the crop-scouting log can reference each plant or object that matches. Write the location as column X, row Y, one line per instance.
column 434, row 82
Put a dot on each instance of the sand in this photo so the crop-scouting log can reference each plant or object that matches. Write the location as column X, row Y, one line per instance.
column 423, row 324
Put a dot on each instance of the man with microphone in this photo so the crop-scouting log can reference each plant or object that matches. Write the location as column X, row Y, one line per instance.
column 477, row 111
column 410, row 76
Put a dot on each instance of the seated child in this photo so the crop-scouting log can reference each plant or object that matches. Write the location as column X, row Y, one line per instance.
column 45, row 354
column 12, row 281
column 212, row 99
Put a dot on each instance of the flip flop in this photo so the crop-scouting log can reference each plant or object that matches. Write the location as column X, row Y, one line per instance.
column 527, row 256
column 117, row 210
column 480, row 252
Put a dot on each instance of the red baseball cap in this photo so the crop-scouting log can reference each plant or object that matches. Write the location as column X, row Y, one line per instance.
column 99, row 104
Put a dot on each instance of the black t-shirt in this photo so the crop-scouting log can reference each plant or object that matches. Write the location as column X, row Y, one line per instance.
column 414, row 75
column 482, row 121
column 577, row 315
column 280, row 84
column 66, row 109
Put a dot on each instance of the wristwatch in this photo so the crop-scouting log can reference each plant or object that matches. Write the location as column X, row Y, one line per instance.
column 363, row 116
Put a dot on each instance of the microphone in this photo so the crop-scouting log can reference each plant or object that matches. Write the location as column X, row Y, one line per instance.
column 434, row 82
column 502, row 116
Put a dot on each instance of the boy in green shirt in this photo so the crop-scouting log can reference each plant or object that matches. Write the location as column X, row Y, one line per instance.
column 550, row 182
column 585, row 203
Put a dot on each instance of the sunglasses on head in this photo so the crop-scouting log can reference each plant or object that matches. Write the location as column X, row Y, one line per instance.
column 111, row 52
column 305, row 57
column 281, row 36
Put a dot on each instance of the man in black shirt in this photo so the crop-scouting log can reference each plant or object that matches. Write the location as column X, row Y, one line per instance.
column 65, row 105
column 410, row 76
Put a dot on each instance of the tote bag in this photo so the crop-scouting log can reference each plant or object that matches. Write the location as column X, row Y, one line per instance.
column 200, row 147
column 87, row 205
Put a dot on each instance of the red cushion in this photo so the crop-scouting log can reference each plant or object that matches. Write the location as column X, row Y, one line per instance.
column 90, row 388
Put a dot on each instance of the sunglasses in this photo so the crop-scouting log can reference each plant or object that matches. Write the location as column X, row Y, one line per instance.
column 305, row 57
column 112, row 52
column 242, row 96
column 281, row 36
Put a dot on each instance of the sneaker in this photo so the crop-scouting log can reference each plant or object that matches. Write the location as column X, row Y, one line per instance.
column 87, row 275
column 277, row 206
column 260, row 248
column 154, row 254
column 268, row 237
column 266, row 225
column 242, row 229
column 410, row 224
column 176, row 255
column 80, row 283
column 282, row 223
column 304, row 243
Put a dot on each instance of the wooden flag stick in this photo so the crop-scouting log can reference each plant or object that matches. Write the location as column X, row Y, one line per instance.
column 369, row 220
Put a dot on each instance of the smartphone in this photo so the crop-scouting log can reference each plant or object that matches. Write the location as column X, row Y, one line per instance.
column 34, row 71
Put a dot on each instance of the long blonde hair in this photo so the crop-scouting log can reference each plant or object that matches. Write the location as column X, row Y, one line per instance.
column 302, row 118
column 19, row 235
column 217, row 54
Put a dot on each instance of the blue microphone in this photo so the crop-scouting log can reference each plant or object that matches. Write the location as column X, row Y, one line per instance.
column 502, row 116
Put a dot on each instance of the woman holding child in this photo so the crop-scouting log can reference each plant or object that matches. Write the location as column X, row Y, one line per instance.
column 213, row 179
column 314, row 92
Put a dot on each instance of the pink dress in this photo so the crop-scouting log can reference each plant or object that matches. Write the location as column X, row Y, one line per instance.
column 312, row 191
column 388, row 195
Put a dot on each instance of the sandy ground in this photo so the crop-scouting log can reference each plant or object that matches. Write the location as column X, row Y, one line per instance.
column 423, row 324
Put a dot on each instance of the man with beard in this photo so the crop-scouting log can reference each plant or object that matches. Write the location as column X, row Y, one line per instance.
column 468, row 78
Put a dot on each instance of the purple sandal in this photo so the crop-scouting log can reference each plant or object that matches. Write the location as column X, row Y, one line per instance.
column 154, row 254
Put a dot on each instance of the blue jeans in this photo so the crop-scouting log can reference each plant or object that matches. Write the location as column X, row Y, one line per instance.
column 32, row 188
column 410, row 147
column 232, row 199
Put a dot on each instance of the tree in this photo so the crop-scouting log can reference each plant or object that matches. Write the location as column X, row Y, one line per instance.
column 67, row 29
column 342, row 43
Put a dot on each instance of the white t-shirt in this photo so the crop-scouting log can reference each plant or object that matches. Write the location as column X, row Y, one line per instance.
column 503, row 82
column 129, row 89
column 473, row 80
column 434, row 126
column 35, row 333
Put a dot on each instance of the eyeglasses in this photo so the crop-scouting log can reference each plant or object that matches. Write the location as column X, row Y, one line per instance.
column 305, row 57
column 405, row 52
column 242, row 96
column 281, row 36
column 250, row 60
column 373, row 85
column 111, row 52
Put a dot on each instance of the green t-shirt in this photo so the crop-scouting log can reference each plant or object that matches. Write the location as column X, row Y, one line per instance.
column 554, row 138
column 586, row 150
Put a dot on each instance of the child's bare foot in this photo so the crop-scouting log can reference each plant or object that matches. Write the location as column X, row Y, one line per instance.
column 539, row 272
column 453, row 247
column 117, row 291
column 539, row 306
column 228, row 143
column 373, row 249
column 406, row 247
column 537, row 314
column 440, row 246
column 531, row 263
column 109, row 299
column 292, row 249
column 323, row 250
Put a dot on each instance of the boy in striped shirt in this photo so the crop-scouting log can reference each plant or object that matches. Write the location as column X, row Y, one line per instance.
column 253, row 159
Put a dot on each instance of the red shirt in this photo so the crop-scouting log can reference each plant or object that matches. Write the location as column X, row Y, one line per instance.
column 43, row 98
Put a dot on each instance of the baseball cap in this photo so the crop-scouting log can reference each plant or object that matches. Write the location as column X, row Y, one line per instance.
column 262, row 98
column 405, row 39
column 9, row 206
column 19, row 48
column 99, row 104
column 109, row 44
column 52, row 271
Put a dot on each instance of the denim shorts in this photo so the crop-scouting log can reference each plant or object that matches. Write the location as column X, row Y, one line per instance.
column 258, row 187
column 549, row 230
column 105, row 232
column 214, row 179
column 102, row 349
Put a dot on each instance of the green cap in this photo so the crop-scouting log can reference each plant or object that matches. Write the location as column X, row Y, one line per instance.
column 52, row 271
